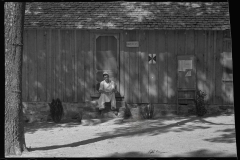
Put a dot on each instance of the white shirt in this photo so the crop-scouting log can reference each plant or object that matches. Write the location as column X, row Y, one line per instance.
column 107, row 87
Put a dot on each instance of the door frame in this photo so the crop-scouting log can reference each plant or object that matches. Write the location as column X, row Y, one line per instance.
column 117, row 36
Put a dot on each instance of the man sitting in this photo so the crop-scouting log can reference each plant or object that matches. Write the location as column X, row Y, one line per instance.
column 107, row 89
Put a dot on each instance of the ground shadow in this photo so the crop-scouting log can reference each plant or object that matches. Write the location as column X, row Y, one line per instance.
column 130, row 154
column 156, row 127
column 228, row 137
column 151, row 128
column 46, row 126
column 204, row 153
column 197, row 153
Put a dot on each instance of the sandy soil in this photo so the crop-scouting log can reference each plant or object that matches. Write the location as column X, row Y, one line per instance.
column 164, row 137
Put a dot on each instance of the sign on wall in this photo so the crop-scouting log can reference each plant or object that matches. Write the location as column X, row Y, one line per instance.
column 132, row 44
column 184, row 65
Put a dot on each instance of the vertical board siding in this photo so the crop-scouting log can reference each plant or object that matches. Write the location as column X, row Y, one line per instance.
column 25, row 69
column 143, row 66
column 80, row 66
column 49, row 66
column 75, row 88
column 210, row 68
column 181, row 45
column 200, row 53
column 122, row 65
column 126, row 68
column 219, row 69
column 132, row 68
column 171, row 70
column 138, row 69
column 41, row 56
column 228, row 85
column 56, row 52
column 90, row 48
column 32, row 60
column 68, row 69
column 153, row 72
column 161, row 61
column 190, row 42
column 87, row 66
column 60, row 64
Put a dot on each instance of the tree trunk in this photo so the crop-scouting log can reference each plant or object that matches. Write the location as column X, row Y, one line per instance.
column 14, row 127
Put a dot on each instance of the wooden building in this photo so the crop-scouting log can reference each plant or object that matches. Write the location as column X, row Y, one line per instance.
column 153, row 50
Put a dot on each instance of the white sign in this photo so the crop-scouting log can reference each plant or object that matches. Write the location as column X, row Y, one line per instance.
column 184, row 65
column 132, row 44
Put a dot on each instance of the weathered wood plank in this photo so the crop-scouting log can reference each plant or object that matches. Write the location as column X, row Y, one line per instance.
column 138, row 93
column 143, row 61
column 219, row 70
column 210, row 68
column 90, row 48
column 54, row 60
column 86, row 52
column 25, row 68
column 63, row 65
column 80, row 67
column 68, row 67
column 228, row 85
column 132, row 69
column 32, row 72
column 74, row 66
column 122, row 65
column 171, row 70
column 41, row 58
column 153, row 76
column 72, row 63
column 126, row 69
column 60, row 74
column 161, row 60
column 201, row 76
column 49, row 66
column 190, row 42
column 181, row 42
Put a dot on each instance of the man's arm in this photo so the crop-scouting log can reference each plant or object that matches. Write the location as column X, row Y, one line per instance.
column 101, row 88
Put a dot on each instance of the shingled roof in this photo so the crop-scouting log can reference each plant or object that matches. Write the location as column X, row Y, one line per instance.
column 128, row 15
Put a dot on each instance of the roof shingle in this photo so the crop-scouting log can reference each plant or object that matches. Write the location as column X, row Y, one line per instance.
column 128, row 15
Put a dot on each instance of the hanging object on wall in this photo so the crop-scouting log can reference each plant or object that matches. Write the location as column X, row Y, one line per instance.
column 132, row 44
column 184, row 65
column 152, row 58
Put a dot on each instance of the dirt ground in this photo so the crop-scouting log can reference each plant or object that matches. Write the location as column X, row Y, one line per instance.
column 191, row 136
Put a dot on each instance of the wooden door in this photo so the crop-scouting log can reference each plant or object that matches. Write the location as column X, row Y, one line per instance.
column 186, row 79
column 106, row 57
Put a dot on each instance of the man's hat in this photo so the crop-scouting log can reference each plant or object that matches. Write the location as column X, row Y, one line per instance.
column 105, row 73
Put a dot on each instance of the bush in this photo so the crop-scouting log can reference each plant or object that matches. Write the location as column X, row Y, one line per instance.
column 200, row 103
column 127, row 112
column 56, row 110
column 147, row 111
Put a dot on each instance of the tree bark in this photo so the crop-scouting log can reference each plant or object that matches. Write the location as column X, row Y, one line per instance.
column 14, row 127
